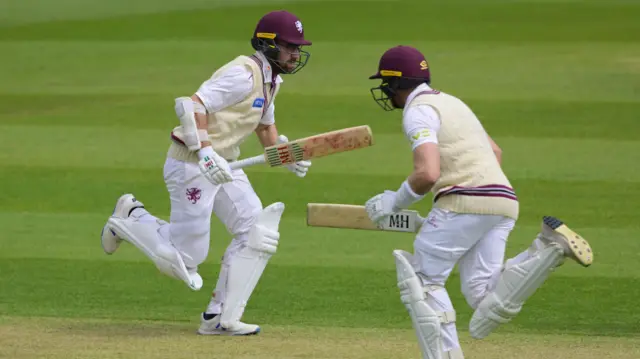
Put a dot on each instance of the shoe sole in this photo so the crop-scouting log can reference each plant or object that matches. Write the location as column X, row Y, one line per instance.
column 106, row 227
column 579, row 246
column 103, row 238
column 228, row 334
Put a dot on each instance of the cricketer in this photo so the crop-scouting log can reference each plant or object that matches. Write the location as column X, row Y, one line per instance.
column 236, row 101
column 474, row 210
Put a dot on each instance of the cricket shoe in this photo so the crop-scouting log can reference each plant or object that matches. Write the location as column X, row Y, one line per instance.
column 213, row 327
column 554, row 231
column 126, row 203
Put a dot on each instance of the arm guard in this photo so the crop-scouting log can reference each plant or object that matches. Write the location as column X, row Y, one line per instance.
column 185, row 109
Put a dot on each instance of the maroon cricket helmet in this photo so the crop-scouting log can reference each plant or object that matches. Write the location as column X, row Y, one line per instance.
column 403, row 61
column 280, row 26
column 400, row 68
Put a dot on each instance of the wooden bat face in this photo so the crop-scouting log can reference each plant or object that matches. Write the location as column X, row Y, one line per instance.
column 336, row 215
column 324, row 144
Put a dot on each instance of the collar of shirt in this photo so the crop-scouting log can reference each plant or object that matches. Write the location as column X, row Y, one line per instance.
column 414, row 93
column 266, row 69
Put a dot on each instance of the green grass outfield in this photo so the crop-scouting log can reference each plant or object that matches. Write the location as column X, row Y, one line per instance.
column 86, row 106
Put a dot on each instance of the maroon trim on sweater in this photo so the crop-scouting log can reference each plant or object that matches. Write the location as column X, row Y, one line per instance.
column 490, row 190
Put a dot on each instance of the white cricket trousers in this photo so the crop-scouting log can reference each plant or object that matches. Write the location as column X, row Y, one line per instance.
column 476, row 243
column 193, row 200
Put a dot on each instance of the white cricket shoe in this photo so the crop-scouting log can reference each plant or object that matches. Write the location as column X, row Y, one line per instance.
column 213, row 327
column 574, row 246
column 126, row 203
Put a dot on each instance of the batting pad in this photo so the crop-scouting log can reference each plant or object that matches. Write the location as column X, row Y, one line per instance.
column 425, row 320
column 247, row 266
column 144, row 236
column 515, row 285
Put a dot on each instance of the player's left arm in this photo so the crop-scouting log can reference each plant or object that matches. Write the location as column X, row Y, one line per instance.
column 267, row 135
column 266, row 131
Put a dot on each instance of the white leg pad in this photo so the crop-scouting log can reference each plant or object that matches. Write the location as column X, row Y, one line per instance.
column 144, row 235
column 515, row 285
column 247, row 266
column 425, row 320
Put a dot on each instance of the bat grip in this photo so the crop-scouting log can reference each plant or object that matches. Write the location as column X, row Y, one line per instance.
column 420, row 221
column 247, row 162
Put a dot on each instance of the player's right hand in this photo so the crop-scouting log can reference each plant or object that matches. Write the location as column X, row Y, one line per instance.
column 380, row 206
column 213, row 167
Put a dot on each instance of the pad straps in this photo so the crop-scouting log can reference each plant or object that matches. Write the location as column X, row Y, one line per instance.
column 445, row 317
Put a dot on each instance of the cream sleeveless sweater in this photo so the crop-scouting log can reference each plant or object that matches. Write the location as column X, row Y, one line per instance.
column 229, row 127
column 471, row 179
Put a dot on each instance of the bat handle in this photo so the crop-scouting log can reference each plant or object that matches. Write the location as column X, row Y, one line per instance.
column 420, row 221
column 255, row 160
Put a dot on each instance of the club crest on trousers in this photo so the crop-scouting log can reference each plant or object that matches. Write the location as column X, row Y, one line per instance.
column 193, row 195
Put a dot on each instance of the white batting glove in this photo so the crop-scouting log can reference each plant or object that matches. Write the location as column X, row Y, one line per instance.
column 213, row 167
column 300, row 168
column 380, row 206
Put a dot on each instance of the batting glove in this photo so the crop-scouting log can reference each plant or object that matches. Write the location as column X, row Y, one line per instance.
column 380, row 206
column 213, row 167
column 300, row 168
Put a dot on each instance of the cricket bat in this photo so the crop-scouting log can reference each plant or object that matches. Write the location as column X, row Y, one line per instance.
column 355, row 217
column 324, row 144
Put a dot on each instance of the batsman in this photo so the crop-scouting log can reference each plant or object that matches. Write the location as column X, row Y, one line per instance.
column 474, row 210
column 235, row 102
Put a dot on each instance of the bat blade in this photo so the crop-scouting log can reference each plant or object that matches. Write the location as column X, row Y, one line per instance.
column 336, row 215
column 324, row 144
